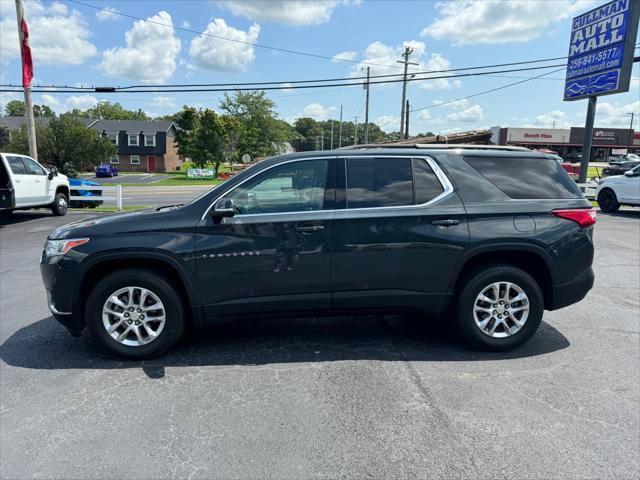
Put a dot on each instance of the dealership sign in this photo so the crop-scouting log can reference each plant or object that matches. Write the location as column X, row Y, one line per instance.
column 601, row 50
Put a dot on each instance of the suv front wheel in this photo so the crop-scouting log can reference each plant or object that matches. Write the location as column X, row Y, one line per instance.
column 500, row 308
column 135, row 314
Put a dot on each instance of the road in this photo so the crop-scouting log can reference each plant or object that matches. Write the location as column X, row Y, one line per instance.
column 125, row 178
column 365, row 396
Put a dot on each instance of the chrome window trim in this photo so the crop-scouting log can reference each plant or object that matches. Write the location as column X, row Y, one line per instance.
column 444, row 181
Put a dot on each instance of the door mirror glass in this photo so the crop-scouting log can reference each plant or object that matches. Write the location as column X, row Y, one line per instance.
column 53, row 172
column 224, row 208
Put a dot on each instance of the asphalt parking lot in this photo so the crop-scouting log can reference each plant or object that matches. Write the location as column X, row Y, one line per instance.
column 369, row 396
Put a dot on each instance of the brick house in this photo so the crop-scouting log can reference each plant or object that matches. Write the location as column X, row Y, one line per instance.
column 142, row 145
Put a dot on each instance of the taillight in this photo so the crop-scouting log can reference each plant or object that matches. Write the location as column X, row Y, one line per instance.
column 585, row 217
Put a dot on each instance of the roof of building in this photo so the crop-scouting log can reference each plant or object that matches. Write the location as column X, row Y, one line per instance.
column 470, row 137
column 133, row 126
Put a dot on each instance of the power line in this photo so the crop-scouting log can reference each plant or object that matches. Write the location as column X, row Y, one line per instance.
column 150, row 89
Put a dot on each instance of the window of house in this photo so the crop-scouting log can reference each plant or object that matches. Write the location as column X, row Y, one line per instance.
column 133, row 139
column 114, row 160
column 113, row 138
column 295, row 187
column 149, row 140
column 135, row 160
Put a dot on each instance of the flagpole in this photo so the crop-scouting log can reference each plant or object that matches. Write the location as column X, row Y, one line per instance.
column 31, row 125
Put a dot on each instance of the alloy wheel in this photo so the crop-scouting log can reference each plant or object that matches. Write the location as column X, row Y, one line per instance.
column 133, row 316
column 501, row 309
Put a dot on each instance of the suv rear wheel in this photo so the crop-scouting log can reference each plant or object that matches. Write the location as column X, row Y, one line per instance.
column 608, row 201
column 500, row 308
column 135, row 314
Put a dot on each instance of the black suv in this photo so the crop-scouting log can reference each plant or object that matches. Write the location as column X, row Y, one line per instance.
column 489, row 236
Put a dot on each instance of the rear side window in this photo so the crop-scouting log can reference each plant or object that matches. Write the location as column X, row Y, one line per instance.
column 17, row 166
column 426, row 183
column 526, row 178
column 379, row 182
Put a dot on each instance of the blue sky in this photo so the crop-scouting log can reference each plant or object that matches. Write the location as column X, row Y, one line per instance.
column 74, row 44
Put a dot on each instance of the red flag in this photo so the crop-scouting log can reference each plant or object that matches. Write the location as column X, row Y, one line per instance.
column 27, row 62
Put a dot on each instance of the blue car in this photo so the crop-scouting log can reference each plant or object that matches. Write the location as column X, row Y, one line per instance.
column 75, row 187
column 106, row 170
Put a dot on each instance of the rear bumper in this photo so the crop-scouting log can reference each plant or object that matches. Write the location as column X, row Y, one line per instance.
column 572, row 292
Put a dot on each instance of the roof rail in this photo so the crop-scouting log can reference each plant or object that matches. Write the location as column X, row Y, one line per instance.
column 437, row 146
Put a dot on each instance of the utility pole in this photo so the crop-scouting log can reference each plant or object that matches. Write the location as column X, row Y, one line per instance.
column 407, row 51
column 340, row 129
column 331, row 135
column 406, row 121
column 31, row 126
column 630, row 142
column 588, row 139
column 366, row 111
column 355, row 133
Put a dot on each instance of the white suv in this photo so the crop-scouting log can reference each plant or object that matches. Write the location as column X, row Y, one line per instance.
column 24, row 183
column 619, row 190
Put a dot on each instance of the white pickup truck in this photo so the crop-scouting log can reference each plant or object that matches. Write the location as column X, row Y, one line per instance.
column 24, row 184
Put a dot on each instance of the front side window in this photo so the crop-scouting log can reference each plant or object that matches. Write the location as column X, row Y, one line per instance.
column 133, row 139
column 33, row 168
column 379, row 182
column 135, row 159
column 293, row 187
column 149, row 140
column 17, row 166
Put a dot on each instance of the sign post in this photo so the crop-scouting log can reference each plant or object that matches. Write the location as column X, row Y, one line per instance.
column 600, row 59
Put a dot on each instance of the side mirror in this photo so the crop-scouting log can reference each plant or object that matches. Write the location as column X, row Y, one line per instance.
column 53, row 172
column 630, row 173
column 224, row 208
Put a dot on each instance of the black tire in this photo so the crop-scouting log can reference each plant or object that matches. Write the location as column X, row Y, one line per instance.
column 608, row 201
column 60, row 205
column 161, row 287
column 475, row 284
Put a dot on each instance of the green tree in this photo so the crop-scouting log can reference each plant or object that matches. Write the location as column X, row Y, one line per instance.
column 114, row 111
column 15, row 108
column 186, row 122
column 261, row 133
column 5, row 137
column 214, row 139
column 43, row 111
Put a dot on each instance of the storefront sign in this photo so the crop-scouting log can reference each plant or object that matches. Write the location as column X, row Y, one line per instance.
column 602, row 136
column 537, row 135
column 601, row 50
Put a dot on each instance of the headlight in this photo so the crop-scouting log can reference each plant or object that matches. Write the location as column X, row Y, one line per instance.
column 60, row 247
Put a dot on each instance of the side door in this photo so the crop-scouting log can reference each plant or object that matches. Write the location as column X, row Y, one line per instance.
column 41, row 187
column 630, row 187
column 23, row 183
column 274, row 253
column 401, row 232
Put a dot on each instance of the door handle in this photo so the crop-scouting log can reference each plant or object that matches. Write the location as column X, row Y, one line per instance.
column 446, row 223
column 18, row 180
column 309, row 228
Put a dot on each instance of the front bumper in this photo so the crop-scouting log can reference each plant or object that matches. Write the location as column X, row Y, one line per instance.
column 62, row 293
column 572, row 292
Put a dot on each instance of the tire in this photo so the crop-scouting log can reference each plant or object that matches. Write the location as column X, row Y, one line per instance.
column 60, row 205
column 608, row 201
column 5, row 213
column 130, row 346
column 501, row 339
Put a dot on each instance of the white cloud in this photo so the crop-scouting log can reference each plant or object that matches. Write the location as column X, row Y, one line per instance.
column 163, row 101
column 107, row 14
column 350, row 55
column 213, row 53
column 56, row 36
column 424, row 115
column 49, row 100
column 617, row 115
column 382, row 59
column 6, row 97
column 553, row 119
column 388, row 123
column 471, row 114
column 479, row 21
column 294, row 12
column 286, row 87
column 81, row 102
column 150, row 54
column 186, row 24
column 317, row 111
